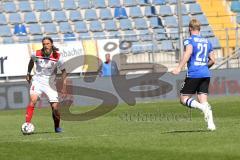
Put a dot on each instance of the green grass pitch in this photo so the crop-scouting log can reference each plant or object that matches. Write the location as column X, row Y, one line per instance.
column 151, row 131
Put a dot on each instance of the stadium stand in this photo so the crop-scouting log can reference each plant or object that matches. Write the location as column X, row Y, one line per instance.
column 138, row 21
column 221, row 19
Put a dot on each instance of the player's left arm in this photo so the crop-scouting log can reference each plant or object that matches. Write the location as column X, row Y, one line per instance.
column 64, row 81
column 211, row 60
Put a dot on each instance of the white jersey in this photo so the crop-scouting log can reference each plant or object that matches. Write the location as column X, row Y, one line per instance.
column 46, row 67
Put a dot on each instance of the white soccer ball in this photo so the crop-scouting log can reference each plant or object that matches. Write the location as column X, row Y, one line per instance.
column 27, row 128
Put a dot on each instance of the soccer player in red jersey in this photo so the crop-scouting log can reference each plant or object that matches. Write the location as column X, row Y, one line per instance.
column 47, row 61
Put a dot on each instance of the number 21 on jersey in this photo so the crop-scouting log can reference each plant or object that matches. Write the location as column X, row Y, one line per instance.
column 201, row 55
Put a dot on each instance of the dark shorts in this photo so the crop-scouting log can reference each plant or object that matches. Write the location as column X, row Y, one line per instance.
column 195, row 85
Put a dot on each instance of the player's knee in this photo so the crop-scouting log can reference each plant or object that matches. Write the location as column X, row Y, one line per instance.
column 183, row 100
column 54, row 105
column 32, row 103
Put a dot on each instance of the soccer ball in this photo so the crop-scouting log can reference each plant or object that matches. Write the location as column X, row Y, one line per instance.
column 27, row 128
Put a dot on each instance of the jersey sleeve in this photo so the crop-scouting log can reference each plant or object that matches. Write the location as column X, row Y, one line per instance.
column 187, row 42
column 210, row 48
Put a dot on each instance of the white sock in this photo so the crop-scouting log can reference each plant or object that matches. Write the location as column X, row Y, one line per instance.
column 206, row 104
column 190, row 102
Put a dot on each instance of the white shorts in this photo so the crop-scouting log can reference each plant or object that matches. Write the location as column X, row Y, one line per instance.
column 39, row 88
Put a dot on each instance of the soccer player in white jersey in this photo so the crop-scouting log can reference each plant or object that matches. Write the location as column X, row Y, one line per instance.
column 47, row 61
column 199, row 56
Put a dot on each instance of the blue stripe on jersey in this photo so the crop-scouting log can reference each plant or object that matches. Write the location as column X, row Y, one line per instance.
column 198, row 62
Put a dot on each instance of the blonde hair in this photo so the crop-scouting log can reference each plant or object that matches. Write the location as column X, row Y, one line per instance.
column 194, row 24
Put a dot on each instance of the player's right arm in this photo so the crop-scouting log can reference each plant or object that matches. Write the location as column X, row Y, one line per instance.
column 187, row 54
column 30, row 67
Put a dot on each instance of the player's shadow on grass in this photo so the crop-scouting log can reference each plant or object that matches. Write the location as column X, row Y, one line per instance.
column 185, row 131
column 44, row 132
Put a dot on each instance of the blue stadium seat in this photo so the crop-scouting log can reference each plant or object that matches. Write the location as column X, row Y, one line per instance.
column 206, row 31
column 7, row 40
column 148, row 47
column 69, row 37
column 215, row 42
column 125, row 24
column 55, row 37
column 99, row 35
column 40, row 5
column 84, row 4
column 54, row 5
column 167, row 45
column 202, row 18
column 172, row 1
column 90, row 14
column 129, row 3
column 75, row 15
column 99, row 3
column 69, row 5
column 5, row 31
column 80, row 26
column 110, row 25
column 235, row 6
column 95, row 26
column 114, row 34
column 170, row 21
column 60, row 16
column 137, row 48
column 173, row 33
column 185, row 20
column 155, row 22
column 105, row 14
column 120, row 12
column 159, row 2
column 145, row 35
column 3, row 19
column 30, row 17
column 150, row 11
column 45, row 17
column 194, row 8
column 23, row 39
column 20, row 29
column 135, row 12
column 140, row 23
column 165, row 11
column 36, row 38
column 65, row 27
column 184, row 10
column 49, row 28
column 159, row 30
column 83, row 36
column 35, row 29
column 156, row 48
column 114, row 3
column 160, row 34
column 24, row 6
column 189, row 1
column 144, row 2
column 9, row 7
column 130, row 35
column 15, row 18
column 142, row 47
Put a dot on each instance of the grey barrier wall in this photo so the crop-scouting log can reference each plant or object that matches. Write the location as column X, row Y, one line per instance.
column 130, row 90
